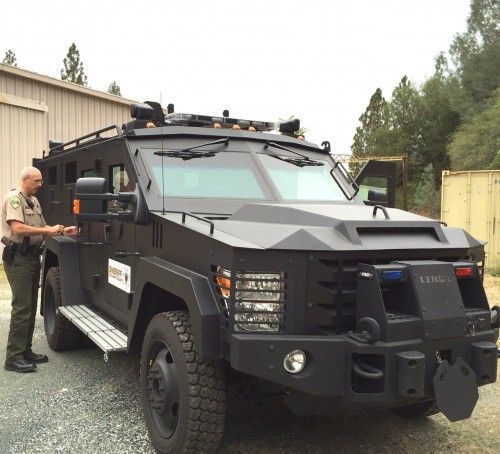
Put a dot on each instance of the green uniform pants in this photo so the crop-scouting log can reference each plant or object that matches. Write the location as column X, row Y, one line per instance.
column 23, row 275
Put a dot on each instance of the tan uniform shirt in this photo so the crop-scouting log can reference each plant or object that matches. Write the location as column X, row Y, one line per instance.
column 15, row 208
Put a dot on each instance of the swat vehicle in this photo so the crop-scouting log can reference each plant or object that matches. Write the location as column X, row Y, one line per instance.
column 221, row 251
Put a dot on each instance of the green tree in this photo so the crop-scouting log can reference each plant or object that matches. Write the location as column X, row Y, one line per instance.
column 370, row 134
column 476, row 144
column 114, row 89
column 476, row 56
column 426, row 196
column 404, row 132
column 73, row 67
column 438, row 120
column 10, row 58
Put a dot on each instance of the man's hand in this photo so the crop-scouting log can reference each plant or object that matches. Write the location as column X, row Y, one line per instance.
column 57, row 229
column 71, row 230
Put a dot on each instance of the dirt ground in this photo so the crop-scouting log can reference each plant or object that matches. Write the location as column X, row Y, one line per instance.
column 77, row 403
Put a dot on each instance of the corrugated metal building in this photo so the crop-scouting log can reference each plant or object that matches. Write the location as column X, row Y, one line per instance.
column 34, row 108
column 471, row 200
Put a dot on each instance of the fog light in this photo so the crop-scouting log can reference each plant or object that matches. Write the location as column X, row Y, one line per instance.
column 294, row 361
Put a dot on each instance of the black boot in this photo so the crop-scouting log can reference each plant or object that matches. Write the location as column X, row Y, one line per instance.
column 35, row 357
column 20, row 365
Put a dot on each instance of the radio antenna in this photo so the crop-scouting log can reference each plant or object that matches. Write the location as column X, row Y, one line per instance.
column 162, row 159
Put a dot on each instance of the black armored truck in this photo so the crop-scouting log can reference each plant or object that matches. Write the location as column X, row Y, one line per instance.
column 226, row 250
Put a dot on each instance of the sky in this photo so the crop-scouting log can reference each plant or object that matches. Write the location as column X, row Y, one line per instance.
column 263, row 60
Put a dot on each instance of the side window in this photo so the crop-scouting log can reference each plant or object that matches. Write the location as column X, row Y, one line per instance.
column 88, row 173
column 118, row 181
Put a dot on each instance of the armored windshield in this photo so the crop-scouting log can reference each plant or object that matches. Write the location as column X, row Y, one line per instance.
column 206, row 174
column 228, row 175
column 297, row 183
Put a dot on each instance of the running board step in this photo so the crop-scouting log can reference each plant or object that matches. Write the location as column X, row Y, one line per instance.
column 103, row 334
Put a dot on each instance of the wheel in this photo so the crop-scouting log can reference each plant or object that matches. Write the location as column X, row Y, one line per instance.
column 416, row 411
column 183, row 395
column 60, row 332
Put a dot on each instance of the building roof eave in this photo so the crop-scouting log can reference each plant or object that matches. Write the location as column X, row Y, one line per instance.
column 23, row 73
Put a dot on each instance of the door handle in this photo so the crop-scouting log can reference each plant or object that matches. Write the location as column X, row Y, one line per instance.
column 122, row 253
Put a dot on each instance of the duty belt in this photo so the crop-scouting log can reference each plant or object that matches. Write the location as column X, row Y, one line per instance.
column 33, row 249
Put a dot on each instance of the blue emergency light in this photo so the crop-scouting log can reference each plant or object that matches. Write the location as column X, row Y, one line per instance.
column 392, row 275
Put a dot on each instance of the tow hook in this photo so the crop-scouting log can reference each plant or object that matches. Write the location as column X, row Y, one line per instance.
column 367, row 331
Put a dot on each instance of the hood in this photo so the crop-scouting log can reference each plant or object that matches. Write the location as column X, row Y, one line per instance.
column 323, row 227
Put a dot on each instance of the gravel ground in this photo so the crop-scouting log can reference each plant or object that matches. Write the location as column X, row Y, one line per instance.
column 77, row 403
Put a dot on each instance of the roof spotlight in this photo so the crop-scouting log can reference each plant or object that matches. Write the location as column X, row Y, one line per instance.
column 289, row 127
column 141, row 111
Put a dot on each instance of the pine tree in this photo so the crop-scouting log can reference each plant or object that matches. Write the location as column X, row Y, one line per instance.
column 10, row 58
column 73, row 67
column 404, row 133
column 114, row 89
column 369, row 137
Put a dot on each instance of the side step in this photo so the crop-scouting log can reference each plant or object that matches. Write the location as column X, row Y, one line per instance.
column 103, row 334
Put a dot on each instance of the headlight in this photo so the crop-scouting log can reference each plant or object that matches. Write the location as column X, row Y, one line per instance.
column 257, row 300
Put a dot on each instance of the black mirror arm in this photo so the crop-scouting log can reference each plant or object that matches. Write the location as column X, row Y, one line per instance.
column 121, row 196
column 120, row 215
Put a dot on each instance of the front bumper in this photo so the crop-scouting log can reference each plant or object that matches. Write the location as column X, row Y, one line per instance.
column 332, row 369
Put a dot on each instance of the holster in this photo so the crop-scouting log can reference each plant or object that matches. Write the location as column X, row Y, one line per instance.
column 9, row 251
column 25, row 245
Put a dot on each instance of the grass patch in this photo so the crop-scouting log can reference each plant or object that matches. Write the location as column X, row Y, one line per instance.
column 494, row 271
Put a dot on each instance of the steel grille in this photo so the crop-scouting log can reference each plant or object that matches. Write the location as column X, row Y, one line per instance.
column 331, row 290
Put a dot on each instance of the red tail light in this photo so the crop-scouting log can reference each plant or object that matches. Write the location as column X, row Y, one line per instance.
column 464, row 271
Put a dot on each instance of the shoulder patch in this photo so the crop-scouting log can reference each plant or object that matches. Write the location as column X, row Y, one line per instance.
column 15, row 202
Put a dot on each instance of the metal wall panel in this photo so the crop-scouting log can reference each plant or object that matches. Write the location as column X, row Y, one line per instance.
column 471, row 200
column 73, row 111
column 23, row 133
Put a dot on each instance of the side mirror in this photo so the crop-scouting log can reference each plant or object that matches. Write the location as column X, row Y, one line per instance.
column 89, row 186
column 91, row 197
column 378, row 196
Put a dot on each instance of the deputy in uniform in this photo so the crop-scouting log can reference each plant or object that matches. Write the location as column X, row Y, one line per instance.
column 23, row 227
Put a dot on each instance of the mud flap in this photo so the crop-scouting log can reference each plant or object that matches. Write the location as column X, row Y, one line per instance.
column 455, row 389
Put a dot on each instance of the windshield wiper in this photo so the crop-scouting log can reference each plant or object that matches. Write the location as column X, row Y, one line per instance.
column 301, row 161
column 188, row 153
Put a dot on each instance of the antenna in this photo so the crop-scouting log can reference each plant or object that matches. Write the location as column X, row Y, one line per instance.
column 162, row 169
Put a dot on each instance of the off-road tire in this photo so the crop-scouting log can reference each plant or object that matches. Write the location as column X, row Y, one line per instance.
column 416, row 411
column 60, row 332
column 201, row 407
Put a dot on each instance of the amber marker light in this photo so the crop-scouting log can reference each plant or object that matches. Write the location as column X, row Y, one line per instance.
column 223, row 281
column 217, row 126
column 225, row 285
column 236, row 127
column 76, row 206
column 251, row 128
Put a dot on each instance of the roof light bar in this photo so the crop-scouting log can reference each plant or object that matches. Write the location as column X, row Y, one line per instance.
column 183, row 119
